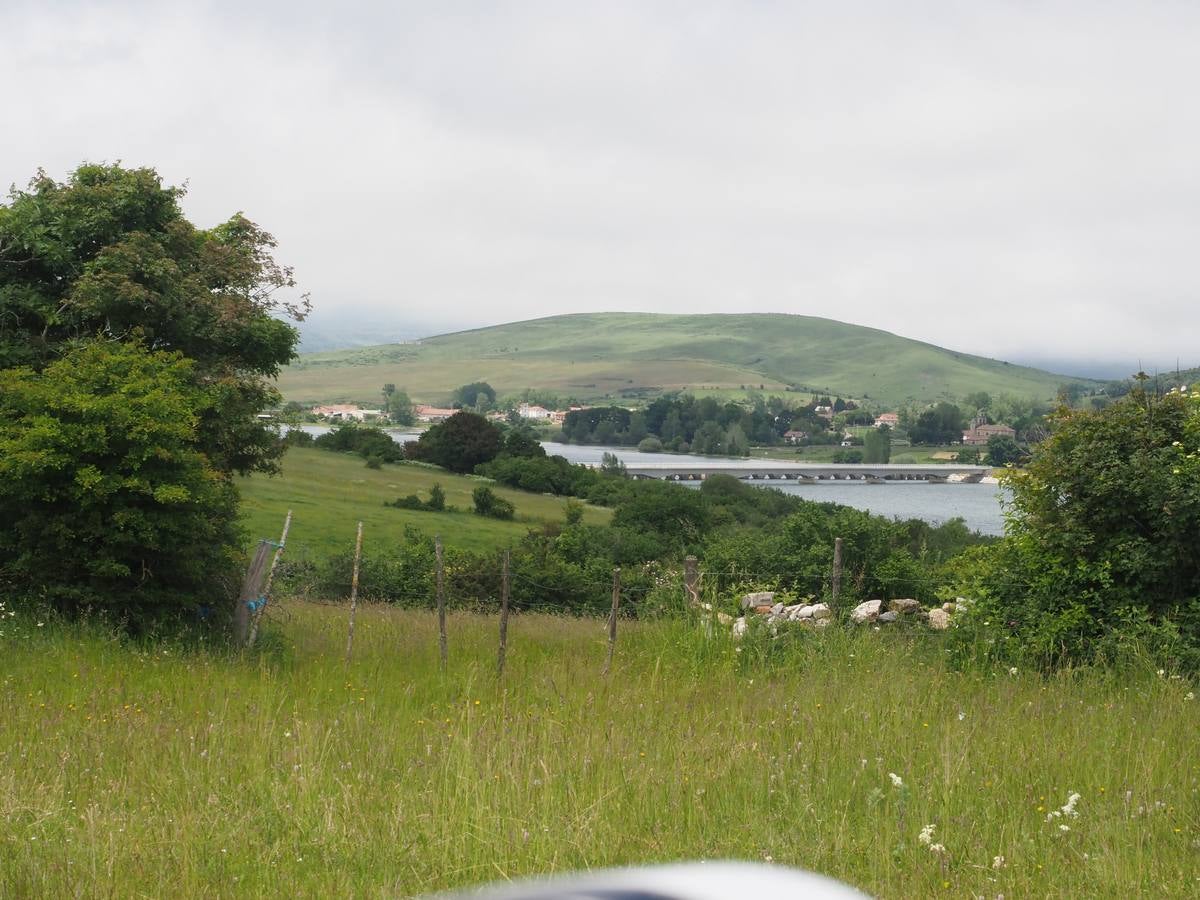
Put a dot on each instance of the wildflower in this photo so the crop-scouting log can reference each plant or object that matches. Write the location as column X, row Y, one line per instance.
column 997, row 862
column 926, row 835
column 40, row 624
column 1064, row 827
column 897, row 781
column 1190, row 695
column 961, row 715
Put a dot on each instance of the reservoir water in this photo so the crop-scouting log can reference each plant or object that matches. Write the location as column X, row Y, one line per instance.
column 979, row 505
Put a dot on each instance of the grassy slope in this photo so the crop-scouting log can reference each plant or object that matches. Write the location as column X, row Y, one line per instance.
column 330, row 492
column 593, row 355
column 169, row 772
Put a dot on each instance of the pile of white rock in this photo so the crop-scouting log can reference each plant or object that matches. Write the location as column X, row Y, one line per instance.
column 873, row 611
column 819, row 615
column 763, row 603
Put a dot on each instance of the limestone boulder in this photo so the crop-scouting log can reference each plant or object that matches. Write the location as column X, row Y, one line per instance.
column 759, row 598
column 739, row 627
column 889, row 616
column 867, row 611
column 903, row 605
column 822, row 611
column 939, row 619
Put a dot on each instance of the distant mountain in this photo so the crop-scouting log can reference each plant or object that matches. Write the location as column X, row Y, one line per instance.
column 323, row 331
column 609, row 355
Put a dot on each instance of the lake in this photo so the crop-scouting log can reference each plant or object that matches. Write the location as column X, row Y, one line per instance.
column 976, row 504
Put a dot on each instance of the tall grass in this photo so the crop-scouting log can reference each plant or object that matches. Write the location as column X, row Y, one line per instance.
column 130, row 771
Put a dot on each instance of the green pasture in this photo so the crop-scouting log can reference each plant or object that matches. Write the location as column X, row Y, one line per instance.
column 600, row 355
column 329, row 493
column 164, row 769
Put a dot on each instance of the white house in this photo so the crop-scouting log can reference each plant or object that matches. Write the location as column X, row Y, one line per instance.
column 528, row 411
column 345, row 411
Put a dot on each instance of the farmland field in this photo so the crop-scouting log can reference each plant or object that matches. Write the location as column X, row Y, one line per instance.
column 145, row 770
column 330, row 492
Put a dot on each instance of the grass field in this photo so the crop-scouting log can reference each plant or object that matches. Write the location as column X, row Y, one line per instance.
column 595, row 356
column 169, row 770
column 330, row 492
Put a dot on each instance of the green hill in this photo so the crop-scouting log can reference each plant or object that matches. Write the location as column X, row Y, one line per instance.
column 598, row 355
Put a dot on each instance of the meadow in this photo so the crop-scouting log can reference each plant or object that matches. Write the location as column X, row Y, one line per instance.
column 329, row 493
column 142, row 770
column 603, row 355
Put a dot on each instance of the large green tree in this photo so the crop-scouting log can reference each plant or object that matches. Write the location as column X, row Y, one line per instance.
column 462, row 442
column 109, row 255
column 135, row 352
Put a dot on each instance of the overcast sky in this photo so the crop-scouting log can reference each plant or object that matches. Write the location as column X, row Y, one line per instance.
column 1015, row 179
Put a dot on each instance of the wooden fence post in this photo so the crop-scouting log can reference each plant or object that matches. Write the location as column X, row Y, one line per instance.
column 441, row 599
column 503, row 616
column 354, row 592
column 691, row 581
column 837, row 568
column 612, row 619
column 251, row 591
column 266, row 591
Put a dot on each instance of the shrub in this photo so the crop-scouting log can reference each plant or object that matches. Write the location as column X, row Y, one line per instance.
column 1100, row 552
column 489, row 505
column 650, row 445
column 366, row 441
column 437, row 498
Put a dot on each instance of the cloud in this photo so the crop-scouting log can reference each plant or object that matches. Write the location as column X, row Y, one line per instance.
column 1012, row 179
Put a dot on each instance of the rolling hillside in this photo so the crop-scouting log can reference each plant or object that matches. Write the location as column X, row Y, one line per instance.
column 598, row 355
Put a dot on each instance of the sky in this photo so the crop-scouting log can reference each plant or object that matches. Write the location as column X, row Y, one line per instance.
column 1015, row 179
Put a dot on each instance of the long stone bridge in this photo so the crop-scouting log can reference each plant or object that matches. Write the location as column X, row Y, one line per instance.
column 781, row 471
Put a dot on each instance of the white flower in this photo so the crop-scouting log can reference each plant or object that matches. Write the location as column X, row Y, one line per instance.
column 997, row 862
column 936, row 848
column 1068, row 809
column 926, row 835
column 1189, row 696
column 961, row 715
column 1064, row 827
column 897, row 781
column 1012, row 671
column 40, row 624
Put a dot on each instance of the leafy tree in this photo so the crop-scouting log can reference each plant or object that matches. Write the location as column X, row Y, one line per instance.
column 108, row 255
column 459, row 444
column 159, row 340
column 1003, row 450
column 610, row 464
column 980, row 400
column 877, row 445
column 476, row 395
column 941, row 424
column 522, row 442
column 400, row 408
column 107, row 498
